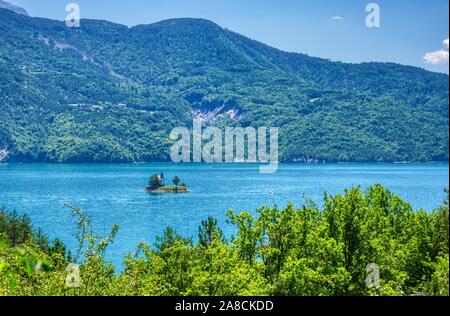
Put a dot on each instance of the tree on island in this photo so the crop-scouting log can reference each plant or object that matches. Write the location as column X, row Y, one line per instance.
column 176, row 180
column 155, row 182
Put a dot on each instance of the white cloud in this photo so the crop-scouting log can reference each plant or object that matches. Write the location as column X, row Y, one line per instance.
column 438, row 57
column 337, row 17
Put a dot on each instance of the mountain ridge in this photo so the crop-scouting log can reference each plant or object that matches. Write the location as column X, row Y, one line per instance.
column 13, row 7
column 207, row 21
column 163, row 74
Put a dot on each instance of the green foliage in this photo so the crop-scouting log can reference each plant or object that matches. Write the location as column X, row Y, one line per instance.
column 109, row 93
column 16, row 228
column 209, row 233
column 308, row 251
column 439, row 283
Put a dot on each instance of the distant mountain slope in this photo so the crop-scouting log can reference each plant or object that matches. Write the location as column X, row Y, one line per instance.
column 12, row 7
column 109, row 93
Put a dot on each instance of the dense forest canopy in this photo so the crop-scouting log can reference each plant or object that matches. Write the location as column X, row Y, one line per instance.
column 306, row 251
column 108, row 93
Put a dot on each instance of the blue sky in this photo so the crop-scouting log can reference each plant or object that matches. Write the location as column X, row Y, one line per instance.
column 409, row 30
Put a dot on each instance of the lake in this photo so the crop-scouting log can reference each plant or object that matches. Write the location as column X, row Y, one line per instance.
column 114, row 193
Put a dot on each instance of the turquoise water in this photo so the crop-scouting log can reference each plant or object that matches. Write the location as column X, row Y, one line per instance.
column 113, row 194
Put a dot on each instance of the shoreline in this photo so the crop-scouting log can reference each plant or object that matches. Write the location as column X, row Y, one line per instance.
column 227, row 163
column 168, row 190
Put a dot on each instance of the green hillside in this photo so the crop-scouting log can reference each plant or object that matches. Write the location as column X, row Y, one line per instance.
column 109, row 93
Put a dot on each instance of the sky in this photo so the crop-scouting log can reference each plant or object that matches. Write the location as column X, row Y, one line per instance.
column 410, row 32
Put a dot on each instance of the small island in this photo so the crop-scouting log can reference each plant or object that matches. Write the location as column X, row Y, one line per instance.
column 156, row 185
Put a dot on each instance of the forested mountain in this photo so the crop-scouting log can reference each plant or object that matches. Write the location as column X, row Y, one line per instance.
column 108, row 93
